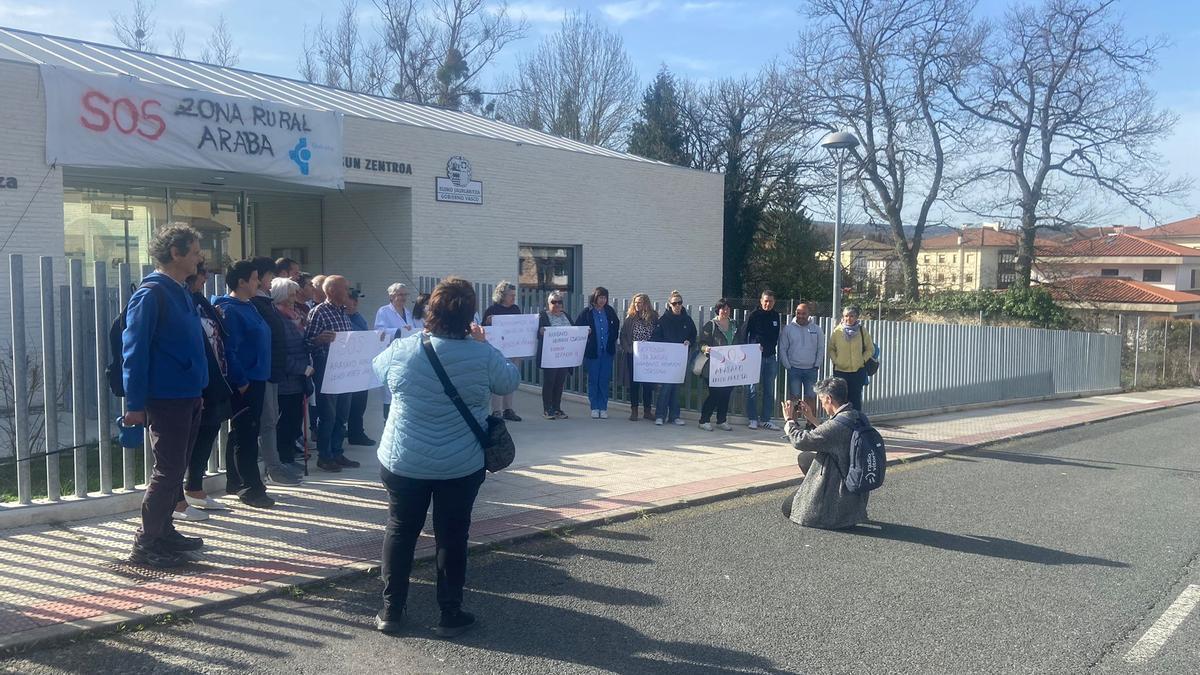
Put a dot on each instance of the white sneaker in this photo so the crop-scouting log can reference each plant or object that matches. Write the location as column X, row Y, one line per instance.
column 207, row 503
column 679, row 422
column 658, row 422
column 603, row 414
column 706, row 426
column 753, row 424
column 190, row 514
column 595, row 414
column 724, row 426
column 770, row 426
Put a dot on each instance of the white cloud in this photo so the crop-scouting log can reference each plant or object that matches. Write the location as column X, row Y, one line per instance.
column 708, row 6
column 10, row 12
column 627, row 11
column 536, row 12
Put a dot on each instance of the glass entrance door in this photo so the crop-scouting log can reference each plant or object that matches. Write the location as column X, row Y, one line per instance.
column 218, row 216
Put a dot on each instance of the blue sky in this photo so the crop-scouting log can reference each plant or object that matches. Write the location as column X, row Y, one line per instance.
column 702, row 39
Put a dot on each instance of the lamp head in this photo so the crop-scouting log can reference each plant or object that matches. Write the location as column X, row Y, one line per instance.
column 839, row 140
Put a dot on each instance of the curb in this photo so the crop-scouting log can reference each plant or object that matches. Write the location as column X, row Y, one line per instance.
column 142, row 617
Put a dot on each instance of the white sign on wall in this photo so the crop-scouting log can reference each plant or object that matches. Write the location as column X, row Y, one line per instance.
column 515, row 335
column 348, row 368
column 734, row 365
column 663, row 362
column 563, row 347
column 457, row 186
column 119, row 121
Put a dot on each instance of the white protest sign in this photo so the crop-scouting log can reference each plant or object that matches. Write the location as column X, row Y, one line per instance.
column 563, row 347
column 348, row 368
column 95, row 120
column 734, row 365
column 515, row 335
column 663, row 362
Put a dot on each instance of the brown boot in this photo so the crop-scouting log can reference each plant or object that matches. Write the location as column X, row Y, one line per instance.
column 647, row 415
column 633, row 415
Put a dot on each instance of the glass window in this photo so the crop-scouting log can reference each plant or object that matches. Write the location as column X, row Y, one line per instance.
column 970, row 257
column 111, row 224
column 941, row 257
column 218, row 218
column 969, row 278
column 1110, row 272
column 1152, row 275
column 548, row 268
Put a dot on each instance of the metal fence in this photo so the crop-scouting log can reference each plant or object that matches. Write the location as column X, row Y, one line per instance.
column 1159, row 352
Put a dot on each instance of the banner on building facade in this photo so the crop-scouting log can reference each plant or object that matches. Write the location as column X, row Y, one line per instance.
column 348, row 368
column 515, row 335
column 119, row 121
column 564, row 346
column 734, row 365
column 662, row 362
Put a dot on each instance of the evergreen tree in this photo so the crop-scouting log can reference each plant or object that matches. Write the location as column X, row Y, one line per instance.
column 659, row 133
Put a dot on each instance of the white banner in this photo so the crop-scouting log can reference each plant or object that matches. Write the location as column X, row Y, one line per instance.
column 734, row 365
column 119, row 121
column 663, row 362
column 563, row 347
column 515, row 335
column 349, row 366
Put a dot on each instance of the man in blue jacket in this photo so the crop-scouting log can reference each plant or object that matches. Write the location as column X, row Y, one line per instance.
column 249, row 342
column 165, row 370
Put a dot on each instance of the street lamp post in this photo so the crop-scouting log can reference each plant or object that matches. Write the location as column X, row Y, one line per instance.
column 839, row 144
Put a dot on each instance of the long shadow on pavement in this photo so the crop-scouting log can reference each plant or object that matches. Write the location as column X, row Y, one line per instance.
column 993, row 547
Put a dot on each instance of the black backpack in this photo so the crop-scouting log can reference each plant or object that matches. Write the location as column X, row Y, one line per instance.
column 116, row 348
column 868, row 456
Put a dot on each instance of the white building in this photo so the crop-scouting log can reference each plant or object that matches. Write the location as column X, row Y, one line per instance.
column 102, row 145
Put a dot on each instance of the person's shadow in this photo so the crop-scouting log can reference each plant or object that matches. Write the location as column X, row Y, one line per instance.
column 993, row 547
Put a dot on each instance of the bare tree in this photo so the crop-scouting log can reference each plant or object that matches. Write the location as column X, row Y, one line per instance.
column 878, row 69
column 220, row 49
column 136, row 30
column 1062, row 91
column 341, row 57
column 178, row 43
column 579, row 83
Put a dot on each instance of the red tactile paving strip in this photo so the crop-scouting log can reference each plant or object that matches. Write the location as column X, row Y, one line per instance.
column 356, row 548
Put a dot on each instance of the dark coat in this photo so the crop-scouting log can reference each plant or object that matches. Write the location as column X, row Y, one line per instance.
column 586, row 318
column 711, row 336
column 274, row 321
column 676, row 328
column 218, row 395
column 823, row 500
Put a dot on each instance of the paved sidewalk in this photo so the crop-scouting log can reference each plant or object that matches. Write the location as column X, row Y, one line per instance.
column 59, row 580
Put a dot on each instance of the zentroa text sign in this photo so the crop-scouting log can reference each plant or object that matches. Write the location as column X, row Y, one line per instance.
column 348, row 368
column 119, row 121
column 733, row 365
column 662, row 362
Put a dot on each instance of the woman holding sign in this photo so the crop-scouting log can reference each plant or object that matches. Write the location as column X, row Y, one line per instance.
column 553, row 379
column 720, row 332
column 504, row 303
column 601, row 348
column 677, row 327
column 638, row 327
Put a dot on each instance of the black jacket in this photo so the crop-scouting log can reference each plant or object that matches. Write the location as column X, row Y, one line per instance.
column 586, row 317
column 677, row 328
column 762, row 328
column 218, row 395
column 279, row 348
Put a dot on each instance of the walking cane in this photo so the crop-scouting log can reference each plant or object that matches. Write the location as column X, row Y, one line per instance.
column 304, row 450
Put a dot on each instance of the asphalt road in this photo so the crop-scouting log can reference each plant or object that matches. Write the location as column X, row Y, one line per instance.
column 1054, row 554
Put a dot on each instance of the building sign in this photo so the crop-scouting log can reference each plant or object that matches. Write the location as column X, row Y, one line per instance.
column 379, row 165
column 119, row 121
column 8, row 183
column 457, row 186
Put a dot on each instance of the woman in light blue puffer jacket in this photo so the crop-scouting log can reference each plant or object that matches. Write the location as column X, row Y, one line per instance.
column 428, row 452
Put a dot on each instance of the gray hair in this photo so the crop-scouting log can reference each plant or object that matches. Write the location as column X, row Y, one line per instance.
column 835, row 388
column 282, row 289
column 553, row 295
column 176, row 236
column 852, row 310
column 396, row 288
column 502, row 288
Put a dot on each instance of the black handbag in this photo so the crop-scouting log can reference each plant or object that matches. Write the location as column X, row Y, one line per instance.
column 499, row 451
column 871, row 365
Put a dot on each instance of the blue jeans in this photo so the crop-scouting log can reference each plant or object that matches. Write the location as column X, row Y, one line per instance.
column 333, row 410
column 668, row 402
column 766, row 379
column 599, row 372
column 801, row 382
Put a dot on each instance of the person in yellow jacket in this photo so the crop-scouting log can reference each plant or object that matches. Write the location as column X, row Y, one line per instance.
column 849, row 348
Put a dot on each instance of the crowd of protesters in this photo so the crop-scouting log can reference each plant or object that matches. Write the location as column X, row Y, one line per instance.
column 256, row 356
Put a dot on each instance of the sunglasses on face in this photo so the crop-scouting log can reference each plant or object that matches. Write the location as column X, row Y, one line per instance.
column 676, row 302
column 556, row 302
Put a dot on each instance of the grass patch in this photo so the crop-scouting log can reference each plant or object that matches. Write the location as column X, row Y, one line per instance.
column 66, row 472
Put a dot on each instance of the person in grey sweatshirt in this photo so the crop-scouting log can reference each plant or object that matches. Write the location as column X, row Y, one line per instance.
column 802, row 354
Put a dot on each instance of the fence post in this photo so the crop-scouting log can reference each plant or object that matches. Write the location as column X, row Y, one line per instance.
column 102, row 408
column 1166, row 332
column 1137, row 348
column 49, row 382
column 1191, row 330
column 124, row 291
column 78, row 380
column 20, row 377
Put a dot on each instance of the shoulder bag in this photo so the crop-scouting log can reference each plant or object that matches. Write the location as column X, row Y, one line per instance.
column 871, row 365
column 701, row 359
column 499, row 451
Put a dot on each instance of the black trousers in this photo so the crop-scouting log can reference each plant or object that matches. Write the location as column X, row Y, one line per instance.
column 290, row 426
column 553, row 381
column 855, row 381
column 639, row 392
column 408, row 502
column 718, row 400
column 173, row 425
column 201, row 451
column 358, row 409
column 241, row 455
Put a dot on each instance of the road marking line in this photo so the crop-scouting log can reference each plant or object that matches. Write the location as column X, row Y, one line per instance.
column 1161, row 631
